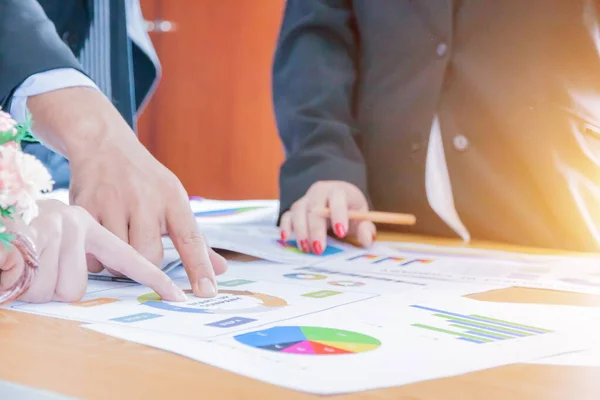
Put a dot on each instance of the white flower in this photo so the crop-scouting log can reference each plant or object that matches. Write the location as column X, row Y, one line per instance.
column 7, row 124
column 22, row 179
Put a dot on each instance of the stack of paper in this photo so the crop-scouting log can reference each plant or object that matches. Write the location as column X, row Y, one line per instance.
column 350, row 319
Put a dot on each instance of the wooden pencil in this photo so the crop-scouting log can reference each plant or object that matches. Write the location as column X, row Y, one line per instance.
column 375, row 216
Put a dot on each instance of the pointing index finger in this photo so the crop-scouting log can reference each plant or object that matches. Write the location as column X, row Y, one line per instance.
column 192, row 248
column 120, row 256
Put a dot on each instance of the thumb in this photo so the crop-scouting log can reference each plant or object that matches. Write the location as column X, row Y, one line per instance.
column 12, row 266
column 364, row 231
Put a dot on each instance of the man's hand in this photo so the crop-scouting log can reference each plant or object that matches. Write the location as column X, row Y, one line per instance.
column 121, row 184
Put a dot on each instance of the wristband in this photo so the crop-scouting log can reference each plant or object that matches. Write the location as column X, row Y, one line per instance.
column 30, row 260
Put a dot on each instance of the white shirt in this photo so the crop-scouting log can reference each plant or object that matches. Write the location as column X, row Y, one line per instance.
column 438, row 185
column 45, row 82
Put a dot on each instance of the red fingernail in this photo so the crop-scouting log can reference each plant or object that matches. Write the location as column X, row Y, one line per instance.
column 317, row 247
column 283, row 236
column 340, row 231
column 304, row 245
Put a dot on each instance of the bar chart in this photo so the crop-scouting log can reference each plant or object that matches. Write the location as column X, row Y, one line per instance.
column 395, row 260
column 478, row 329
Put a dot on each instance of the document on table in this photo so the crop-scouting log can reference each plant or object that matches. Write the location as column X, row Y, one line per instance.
column 330, row 333
column 583, row 358
column 263, row 241
column 171, row 261
column 406, row 260
column 206, row 211
column 351, row 348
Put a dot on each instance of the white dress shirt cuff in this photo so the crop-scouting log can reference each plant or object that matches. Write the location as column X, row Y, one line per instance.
column 44, row 82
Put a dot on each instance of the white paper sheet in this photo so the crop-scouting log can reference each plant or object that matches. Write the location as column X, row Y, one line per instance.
column 263, row 241
column 60, row 195
column 584, row 358
column 384, row 341
column 209, row 211
column 573, row 274
column 249, row 295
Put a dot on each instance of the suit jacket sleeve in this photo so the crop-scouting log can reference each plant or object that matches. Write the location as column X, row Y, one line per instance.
column 29, row 44
column 314, row 77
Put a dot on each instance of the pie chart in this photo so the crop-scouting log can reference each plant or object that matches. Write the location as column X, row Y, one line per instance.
column 309, row 340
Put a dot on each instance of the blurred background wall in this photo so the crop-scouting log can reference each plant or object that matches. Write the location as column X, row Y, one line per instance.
column 211, row 120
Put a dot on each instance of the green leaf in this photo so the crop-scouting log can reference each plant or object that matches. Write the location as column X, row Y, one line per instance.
column 5, row 239
column 7, row 212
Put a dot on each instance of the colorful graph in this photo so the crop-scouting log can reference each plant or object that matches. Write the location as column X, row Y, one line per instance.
column 305, row 277
column 479, row 329
column 308, row 340
column 226, row 211
column 292, row 245
column 364, row 256
column 399, row 261
column 207, row 306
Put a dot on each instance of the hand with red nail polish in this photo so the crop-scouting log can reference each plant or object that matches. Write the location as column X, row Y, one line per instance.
column 308, row 227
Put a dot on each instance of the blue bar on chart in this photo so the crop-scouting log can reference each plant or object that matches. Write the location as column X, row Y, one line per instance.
column 479, row 329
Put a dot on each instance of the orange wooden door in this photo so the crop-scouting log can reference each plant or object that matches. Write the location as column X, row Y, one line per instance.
column 211, row 120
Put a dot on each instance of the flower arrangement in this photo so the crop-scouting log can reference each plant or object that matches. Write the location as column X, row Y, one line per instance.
column 22, row 176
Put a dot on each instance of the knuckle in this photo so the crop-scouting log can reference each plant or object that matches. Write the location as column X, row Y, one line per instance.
column 299, row 205
column 69, row 296
column 39, row 297
column 193, row 238
column 107, row 194
column 72, row 215
column 172, row 183
column 154, row 254
column 321, row 186
column 52, row 225
column 286, row 217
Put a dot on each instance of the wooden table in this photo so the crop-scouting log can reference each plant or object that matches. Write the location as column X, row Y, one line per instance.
column 60, row 356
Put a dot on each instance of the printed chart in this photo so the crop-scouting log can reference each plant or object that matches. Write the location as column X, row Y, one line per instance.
column 308, row 340
column 241, row 303
column 422, row 336
column 263, row 242
column 209, row 211
column 580, row 275
column 265, row 303
column 292, row 245
column 323, row 280
column 226, row 211
column 376, row 259
column 478, row 329
column 305, row 276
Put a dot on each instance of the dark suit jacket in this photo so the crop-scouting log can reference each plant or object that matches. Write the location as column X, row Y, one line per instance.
column 28, row 44
column 35, row 39
column 37, row 36
column 358, row 83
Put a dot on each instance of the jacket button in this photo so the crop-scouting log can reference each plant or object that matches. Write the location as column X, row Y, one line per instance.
column 460, row 143
column 442, row 49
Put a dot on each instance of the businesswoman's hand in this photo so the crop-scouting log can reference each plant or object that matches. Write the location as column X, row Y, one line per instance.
column 310, row 229
column 62, row 236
